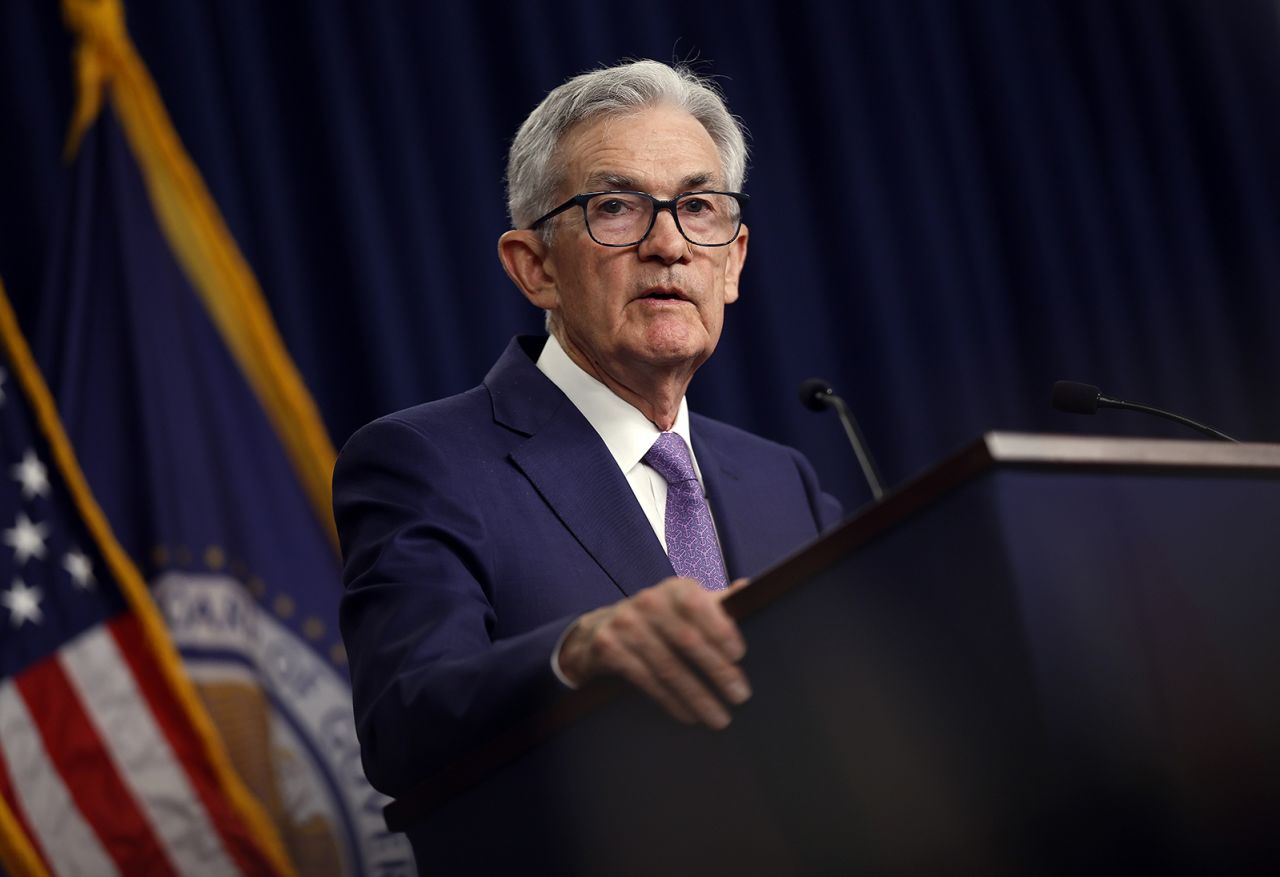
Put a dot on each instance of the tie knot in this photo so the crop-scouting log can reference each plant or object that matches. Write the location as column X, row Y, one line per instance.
column 670, row 457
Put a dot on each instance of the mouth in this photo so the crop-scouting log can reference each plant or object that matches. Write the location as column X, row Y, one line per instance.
column 663, row 293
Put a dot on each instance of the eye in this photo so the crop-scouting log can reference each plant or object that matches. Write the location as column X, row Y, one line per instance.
column 696, row 205
column 615, row 206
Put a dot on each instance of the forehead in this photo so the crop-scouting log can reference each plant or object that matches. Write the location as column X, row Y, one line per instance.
column 662, row 150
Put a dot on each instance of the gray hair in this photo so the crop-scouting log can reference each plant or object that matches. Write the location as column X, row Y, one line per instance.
column 534, row 167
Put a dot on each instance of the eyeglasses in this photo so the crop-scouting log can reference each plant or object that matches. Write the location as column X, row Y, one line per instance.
column 624, row 219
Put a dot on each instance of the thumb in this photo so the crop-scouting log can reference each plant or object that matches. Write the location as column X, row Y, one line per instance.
column 734, row 587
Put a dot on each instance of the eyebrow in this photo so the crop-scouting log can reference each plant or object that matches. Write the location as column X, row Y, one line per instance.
column 611, row 180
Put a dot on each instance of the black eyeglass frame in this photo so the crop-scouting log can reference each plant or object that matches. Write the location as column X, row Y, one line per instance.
column 658, row 206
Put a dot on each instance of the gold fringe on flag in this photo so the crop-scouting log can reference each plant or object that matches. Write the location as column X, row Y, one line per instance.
column 106, row 60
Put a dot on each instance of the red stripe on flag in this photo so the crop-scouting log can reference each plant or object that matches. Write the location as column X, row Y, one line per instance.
column 175, row 724
column 79, row 756
column 20, row 815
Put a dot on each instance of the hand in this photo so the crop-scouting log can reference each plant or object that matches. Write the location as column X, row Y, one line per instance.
column 673, row 641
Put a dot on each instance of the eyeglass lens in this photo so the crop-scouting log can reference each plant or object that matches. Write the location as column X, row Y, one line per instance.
column 705, row 218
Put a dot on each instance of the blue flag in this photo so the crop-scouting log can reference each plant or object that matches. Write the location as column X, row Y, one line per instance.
column 207, row 458
column 108, row 764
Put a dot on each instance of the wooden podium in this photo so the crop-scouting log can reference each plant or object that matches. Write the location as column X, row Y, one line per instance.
column 1046, row 655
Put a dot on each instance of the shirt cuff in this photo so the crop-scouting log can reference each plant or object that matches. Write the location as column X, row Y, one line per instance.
column 555, row 657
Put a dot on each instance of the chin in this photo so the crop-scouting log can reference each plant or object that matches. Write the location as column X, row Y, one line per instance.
column 671, row 339
column 682, row 349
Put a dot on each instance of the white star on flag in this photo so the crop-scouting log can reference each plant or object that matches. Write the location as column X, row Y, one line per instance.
column 26, row 539
column 77, row 564
column 23, row 604
column 32, row 474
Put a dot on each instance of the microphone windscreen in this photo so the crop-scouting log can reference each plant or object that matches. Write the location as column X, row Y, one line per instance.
column 814, row 393
column 1075, row 398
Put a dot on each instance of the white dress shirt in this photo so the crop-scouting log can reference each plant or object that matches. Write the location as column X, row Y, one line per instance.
column 626, row 432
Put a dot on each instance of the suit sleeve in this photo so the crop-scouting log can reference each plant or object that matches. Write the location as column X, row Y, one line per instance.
column 827, row 510
column 429, row 680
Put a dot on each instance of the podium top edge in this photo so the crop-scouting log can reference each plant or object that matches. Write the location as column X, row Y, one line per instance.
column 1048, row 449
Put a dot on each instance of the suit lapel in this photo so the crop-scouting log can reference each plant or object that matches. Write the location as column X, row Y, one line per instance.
column 572, row 469
column 578, row 477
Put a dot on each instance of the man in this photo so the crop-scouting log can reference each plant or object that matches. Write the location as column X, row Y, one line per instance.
column 521, row 538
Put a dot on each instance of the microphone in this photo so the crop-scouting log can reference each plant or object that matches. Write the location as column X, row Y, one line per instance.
column 817, row 395
column 1075, row 398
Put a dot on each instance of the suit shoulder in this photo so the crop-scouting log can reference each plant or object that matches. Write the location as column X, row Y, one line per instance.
column 730, row 436
column 453, row 418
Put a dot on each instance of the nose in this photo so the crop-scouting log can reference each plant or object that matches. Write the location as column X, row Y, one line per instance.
column 664, row 243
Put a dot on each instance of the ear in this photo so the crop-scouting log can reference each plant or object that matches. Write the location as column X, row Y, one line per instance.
column 527, row 260
column 733, row 266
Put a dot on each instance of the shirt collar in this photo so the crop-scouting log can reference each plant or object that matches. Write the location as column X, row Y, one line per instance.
column 626, row 432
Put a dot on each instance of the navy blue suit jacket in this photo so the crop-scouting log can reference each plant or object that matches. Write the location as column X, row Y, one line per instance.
column 474, row 530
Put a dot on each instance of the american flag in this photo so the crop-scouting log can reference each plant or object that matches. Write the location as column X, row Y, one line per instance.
column 108, row 764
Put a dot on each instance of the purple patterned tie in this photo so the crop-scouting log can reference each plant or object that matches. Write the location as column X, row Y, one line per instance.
column 691, row 537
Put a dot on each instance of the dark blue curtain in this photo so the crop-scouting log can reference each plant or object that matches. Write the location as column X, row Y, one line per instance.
column 954, row 203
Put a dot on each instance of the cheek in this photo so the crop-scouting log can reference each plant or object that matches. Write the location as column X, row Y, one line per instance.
column 715, row 323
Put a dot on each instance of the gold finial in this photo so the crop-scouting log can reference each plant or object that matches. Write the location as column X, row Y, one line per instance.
column 101, row 40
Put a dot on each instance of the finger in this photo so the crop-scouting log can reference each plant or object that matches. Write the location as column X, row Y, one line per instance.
column 702, row 609
column 610, row 651
column 673, row 676
column 734, row 587
column 690, row 643
column 639, row 674
column 668, row 666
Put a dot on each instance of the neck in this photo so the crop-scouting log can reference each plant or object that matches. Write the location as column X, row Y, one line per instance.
column 654, row 391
